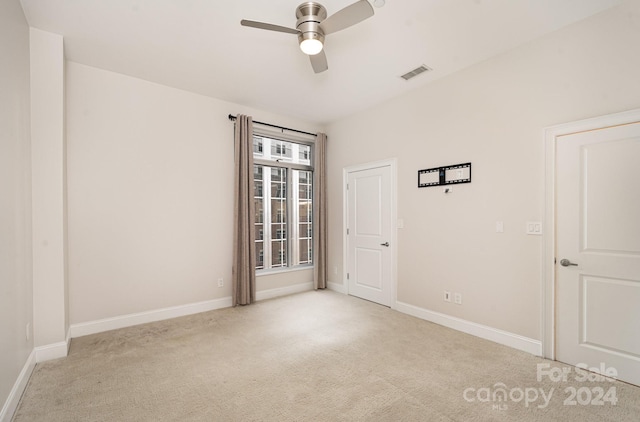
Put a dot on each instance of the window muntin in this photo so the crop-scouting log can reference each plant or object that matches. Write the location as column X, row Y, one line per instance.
column 283, row 181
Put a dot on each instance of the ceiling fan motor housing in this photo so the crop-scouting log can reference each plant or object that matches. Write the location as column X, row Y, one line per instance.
column 309, row 15
column 312, row 25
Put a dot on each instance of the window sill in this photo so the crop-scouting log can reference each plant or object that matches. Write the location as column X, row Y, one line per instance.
column 271, row 271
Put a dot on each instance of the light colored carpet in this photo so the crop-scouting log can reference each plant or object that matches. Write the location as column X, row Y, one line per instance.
column 315, row 356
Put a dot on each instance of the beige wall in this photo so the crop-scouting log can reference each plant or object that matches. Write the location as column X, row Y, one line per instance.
column 15, row 197
column 150, row 175
column 493, row 115
column 48, row 190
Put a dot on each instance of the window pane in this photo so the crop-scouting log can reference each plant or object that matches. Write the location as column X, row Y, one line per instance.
column 277, row 174
column 304, row 255
column 257, row 181
column 305, row 231
column 304, row 211
column 278, row 211
column 278, row 231
column 259, row 255
column 304, row 154
column 257, row 146
column 278, row 190
column 281, row 149
column 303, row 191
column 278, row 254
column 259, row 205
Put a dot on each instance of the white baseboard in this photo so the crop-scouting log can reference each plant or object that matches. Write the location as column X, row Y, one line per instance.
column 488, row 333
column 107, row 324
column 11, row 404
column 53, row 350
column 337, row 287
column 123, row 321
column 283, row 291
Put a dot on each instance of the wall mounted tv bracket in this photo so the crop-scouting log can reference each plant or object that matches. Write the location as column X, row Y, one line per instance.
column 445, row 175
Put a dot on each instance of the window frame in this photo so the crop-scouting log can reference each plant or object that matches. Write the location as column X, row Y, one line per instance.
column 291, row 226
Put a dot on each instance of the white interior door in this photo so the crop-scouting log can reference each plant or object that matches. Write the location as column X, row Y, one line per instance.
column 598, row 250
column 369, row 234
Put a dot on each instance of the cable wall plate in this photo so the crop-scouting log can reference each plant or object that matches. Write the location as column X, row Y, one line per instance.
column 445, row 175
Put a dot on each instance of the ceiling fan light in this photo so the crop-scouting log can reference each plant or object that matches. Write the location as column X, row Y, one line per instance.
column 311, row 46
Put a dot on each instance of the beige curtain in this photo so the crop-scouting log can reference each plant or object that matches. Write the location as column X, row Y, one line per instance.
column 244, row 249
column 320, row 214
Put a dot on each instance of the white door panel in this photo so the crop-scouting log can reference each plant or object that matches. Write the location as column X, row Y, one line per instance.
column 369, row 224
column 611, row 176
column 368, row 268
column 598, row 318
column 598, row 228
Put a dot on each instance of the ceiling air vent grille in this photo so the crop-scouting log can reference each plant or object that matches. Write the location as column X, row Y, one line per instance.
column 415, row 72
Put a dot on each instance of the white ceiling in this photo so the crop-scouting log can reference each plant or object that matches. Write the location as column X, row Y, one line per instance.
column 199, row 45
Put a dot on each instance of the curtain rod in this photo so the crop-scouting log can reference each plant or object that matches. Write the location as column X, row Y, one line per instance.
column 233, row 118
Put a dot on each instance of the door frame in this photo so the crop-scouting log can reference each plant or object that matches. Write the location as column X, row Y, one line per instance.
column 548, row 282
column 392, row 163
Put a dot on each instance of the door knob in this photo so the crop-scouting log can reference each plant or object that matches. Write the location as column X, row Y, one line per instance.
column 385, row 244
column 565, row 263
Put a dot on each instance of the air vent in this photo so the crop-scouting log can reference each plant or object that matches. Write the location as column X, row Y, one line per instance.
column 415, row 72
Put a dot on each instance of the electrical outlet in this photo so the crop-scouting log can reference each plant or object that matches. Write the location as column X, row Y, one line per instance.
column 220, row 282
column 534, row 227
column 457, row 298
column 447, row 296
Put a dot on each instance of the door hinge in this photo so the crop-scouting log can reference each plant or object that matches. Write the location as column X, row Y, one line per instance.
column 347, row 276
column 347, row 230
column 347, row 186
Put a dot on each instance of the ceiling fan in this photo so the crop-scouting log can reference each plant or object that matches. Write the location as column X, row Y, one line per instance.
column 313, row 25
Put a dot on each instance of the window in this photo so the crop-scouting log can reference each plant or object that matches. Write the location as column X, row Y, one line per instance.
column 283, row 181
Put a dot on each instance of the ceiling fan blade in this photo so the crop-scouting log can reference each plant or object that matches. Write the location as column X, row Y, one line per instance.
column 350, row 15
column 269, row 26
column 319, row 62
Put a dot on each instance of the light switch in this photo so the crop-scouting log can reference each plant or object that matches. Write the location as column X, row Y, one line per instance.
column 499, row 227
column 400, row 223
